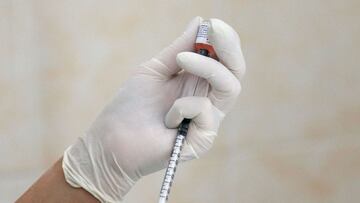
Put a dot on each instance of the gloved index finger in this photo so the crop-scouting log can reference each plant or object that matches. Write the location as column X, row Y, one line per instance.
column 226, row 43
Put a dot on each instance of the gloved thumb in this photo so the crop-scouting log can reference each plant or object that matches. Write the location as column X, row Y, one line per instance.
column 164, row 63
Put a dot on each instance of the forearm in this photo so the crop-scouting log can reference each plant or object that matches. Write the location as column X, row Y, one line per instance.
column 52, row 187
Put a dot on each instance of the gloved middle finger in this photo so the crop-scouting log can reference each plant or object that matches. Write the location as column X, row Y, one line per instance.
column 225, row 86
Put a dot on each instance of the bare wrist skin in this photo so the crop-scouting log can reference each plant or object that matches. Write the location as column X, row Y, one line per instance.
column 51, row 187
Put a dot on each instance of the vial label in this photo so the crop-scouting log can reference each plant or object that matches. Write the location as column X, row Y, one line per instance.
column 202, row 35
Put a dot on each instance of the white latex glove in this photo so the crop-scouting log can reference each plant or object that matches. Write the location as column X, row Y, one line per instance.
column 134, row 135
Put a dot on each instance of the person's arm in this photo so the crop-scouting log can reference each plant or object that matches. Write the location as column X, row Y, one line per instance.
column 134, row 134
column 52, row 187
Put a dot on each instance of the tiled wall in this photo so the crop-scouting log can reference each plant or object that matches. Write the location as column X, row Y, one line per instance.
column 292, row 137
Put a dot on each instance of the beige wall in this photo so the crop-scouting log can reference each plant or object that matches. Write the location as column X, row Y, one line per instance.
column 292, row 137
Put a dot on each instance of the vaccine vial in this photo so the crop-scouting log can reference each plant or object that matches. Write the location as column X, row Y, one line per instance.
column 202, row 44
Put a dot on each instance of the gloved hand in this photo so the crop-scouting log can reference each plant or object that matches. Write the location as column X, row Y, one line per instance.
column 134, row 135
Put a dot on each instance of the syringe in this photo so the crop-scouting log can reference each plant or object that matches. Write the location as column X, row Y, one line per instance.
column 203, row 47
